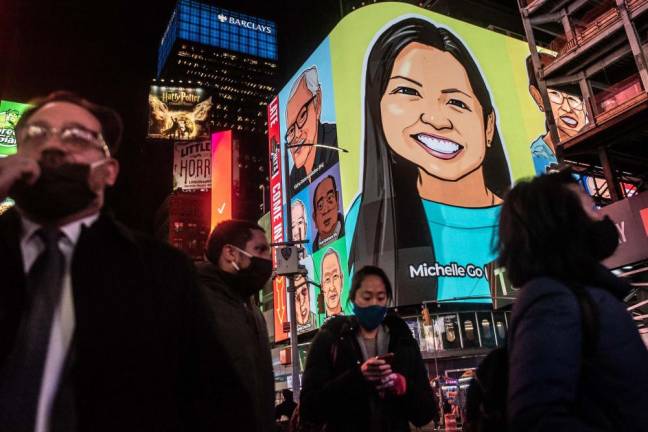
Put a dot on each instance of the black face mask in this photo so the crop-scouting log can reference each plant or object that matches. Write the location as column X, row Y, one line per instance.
column 60, row 191
column 604, row 238
column 250, row 280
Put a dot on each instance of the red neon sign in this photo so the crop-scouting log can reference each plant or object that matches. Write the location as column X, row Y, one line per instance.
column 221, row 191
column 276, row 217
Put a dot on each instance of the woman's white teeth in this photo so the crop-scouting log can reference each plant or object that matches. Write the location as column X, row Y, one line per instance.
column 438, row 145
column 570, row 121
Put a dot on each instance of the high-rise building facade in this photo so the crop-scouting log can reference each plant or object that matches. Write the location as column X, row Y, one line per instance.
column 233, row 57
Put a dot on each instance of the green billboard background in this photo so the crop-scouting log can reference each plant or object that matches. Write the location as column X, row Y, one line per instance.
column 10, row 113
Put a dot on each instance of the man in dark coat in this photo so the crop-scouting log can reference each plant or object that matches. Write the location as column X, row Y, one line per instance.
column 96, row 322
column 238, row 266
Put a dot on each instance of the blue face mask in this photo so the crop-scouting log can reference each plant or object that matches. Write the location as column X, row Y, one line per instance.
column 370, row 317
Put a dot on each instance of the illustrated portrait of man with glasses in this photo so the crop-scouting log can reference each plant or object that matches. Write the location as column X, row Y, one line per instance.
column 326, row 213
column 304, row 128
column 332, row 282
column 568, row 112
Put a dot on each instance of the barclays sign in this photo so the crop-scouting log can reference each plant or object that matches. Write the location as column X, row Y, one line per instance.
column 243, row 23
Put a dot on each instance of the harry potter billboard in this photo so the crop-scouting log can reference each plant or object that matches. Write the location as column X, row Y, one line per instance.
column 178, row 113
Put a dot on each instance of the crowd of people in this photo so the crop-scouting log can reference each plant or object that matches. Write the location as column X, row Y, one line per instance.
column 105, row 329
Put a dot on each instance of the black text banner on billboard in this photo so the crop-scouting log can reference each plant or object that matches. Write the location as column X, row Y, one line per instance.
column 178, row 113
column 192, row 165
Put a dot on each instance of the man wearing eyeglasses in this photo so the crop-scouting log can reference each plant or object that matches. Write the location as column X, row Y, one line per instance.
column 303, row 113
column 95, row 320
column 332, row 282
column 568, row 112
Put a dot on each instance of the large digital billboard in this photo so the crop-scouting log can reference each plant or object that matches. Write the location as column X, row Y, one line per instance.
column 403, row 129
column 178, row 113
column 192, row 165
column 10, row 113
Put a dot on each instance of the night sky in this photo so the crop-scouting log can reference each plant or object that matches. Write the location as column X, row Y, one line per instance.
column 107, row 50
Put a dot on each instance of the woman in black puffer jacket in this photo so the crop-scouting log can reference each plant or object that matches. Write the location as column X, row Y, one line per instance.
column 365, row 373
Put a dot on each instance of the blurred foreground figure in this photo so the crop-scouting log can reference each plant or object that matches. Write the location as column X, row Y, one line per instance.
column 95, row 320
column 365, row 373
column 238, row 266
column 576, row 361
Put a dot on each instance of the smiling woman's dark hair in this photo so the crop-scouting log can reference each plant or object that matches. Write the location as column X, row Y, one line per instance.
column 391, row 217
column 544, row 231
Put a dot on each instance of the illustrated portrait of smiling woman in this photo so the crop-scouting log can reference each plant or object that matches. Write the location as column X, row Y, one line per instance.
column 434, row 166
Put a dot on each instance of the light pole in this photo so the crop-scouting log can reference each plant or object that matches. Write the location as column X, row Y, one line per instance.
column 290, row 288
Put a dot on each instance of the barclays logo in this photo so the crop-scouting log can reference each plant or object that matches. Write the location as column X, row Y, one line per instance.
column 243, row 23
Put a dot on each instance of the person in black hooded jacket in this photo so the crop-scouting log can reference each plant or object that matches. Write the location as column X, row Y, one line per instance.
column 352, row 382
column 574, row 365
column 236, row 354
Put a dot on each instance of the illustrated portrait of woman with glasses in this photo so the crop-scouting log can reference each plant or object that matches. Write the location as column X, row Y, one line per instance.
column 434, row 166
column 568, row 113
column 305, row 128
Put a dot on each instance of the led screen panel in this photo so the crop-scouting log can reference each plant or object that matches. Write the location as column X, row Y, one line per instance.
column 221, row 186
column 403, row 129
column 10, row 113
column 178, row 113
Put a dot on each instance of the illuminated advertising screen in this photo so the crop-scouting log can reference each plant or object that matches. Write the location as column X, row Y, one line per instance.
column 178, row 113
column 221, row 28
column 277, row 217
column 221, row 180
column 10, row 113
column 404, row 128
column 192, row 165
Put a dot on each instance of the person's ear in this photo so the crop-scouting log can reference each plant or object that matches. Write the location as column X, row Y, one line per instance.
column 490, row 128
column 229, row 253
column 112, row 171
column 537, row 97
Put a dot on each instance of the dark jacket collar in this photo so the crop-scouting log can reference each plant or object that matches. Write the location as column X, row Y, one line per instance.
column 607, row 280
column 217, row 280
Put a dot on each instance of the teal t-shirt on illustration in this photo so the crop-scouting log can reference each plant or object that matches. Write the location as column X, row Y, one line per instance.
column 465, row 237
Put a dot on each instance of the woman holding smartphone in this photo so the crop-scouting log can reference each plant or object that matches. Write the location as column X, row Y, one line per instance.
column 365, row 372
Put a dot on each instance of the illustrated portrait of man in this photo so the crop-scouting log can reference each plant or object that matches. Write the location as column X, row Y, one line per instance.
column 299, row 224
column 306, row 319
column 568, row 112
column 304, row 127
column 326, row 213
column 332, row 282
column 10, row 119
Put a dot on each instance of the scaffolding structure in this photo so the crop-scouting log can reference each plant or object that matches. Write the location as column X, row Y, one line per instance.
column 598, row 54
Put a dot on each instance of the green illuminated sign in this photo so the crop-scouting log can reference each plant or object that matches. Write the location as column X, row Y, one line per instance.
column 10, row 113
